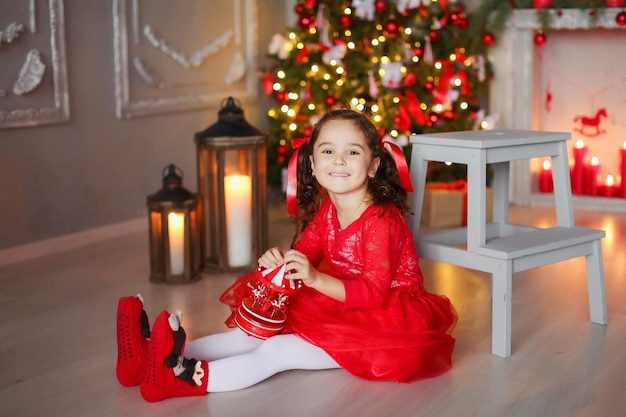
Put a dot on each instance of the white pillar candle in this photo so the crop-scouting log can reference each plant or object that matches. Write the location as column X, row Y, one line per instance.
column 238, row 196
column 176, row 233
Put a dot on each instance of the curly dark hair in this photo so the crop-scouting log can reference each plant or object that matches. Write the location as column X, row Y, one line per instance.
column 385, row 187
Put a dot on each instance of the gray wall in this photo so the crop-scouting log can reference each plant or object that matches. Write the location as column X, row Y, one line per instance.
column 96, row 169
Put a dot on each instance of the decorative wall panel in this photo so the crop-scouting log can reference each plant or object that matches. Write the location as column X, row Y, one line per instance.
column 33, row 79
column 173, row 55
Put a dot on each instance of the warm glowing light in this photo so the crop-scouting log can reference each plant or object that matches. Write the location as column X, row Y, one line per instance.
column 351, row 45
column 315, row 68
column 595, row 161
column 610, row 180
column 292, row 35
column 311, row 106
column 284, row 108
column 464, row 105
column 438, row 108
column 375, row 108
column 377, row 118
column 374, row 42
column 292, row 96
column 339, row 70
column 394, row 133
column 291, row 113
column 546, row 165
column 384, row 59
column 625, row 144
column 415, row 59
column 580, row 144
column 280, row 74
column 293, row 127
column 438, row 65
column 452, row 57
column 300, row 45
column 396, row 100
column 326, row 76
column 276, row 86
column 457, row 82
column 407, row 31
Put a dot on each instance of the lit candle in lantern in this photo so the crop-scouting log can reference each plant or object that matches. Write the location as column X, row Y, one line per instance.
column 622, row 170
column 579, row 170
column 545, row 178
column 176, row 234
column 593, row 175
column 238, row 203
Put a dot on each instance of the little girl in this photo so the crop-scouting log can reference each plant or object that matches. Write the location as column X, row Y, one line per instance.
column 362, row 306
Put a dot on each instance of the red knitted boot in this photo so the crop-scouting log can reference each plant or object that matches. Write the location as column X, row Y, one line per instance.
column 168, row 373
column 133, row 331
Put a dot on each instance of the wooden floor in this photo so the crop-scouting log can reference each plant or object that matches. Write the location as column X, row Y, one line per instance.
column 58, row 347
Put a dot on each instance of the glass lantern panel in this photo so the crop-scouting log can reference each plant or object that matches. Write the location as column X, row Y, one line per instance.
column 156, row 236
column 238, row 207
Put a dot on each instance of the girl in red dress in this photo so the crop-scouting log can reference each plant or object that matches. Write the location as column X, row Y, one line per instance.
column 362, row 306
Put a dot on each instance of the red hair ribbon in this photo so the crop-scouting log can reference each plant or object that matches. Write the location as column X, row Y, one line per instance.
column 292, row 175
column 399, row 159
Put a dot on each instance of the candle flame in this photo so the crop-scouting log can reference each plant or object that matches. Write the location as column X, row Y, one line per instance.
column 595, row 161
column 546, row 165
column 610, row 180
column 580, row 144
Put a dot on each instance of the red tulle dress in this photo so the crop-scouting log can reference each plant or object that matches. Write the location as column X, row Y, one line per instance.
column 389, row 327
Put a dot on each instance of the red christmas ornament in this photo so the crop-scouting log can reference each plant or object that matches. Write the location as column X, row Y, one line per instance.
column 345, row 21
column 429, row 85
column 381, row 6
column 418, row 51
column 306, row 21
column 538, row 4
column 330, row 101
column 614, row 3
column 620, row 19
column 299, row 9
column 392, row 27
column 281, row 96
column 434, row 35
column 462, row 22
column 540, row 39
column 488, row 38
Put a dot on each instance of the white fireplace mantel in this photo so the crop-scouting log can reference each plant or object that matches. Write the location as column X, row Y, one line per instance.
column 511, row 91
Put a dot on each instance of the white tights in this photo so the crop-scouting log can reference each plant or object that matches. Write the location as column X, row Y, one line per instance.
column 238, row 361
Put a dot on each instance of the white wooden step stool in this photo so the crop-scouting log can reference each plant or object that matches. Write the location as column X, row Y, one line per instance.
column 501, row 248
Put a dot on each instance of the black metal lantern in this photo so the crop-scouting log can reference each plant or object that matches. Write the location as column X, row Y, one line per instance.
column 174, row 242
column 232, row 192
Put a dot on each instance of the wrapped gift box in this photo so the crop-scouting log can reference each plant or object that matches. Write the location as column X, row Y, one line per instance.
column 445, row 204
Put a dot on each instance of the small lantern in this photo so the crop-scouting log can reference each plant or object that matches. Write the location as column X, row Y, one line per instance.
column 174, row 240
column 232, row 192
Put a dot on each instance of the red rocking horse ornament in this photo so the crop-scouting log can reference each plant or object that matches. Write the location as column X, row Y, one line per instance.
column 590, row 123
column 264, row 313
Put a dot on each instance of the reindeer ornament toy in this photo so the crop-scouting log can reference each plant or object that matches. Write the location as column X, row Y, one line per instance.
column 264, row 313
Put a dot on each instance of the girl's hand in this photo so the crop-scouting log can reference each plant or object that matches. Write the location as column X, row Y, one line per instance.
column 272, row 257
column 298, row 266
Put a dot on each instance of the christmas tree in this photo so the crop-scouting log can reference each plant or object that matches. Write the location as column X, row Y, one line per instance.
column 415, row 66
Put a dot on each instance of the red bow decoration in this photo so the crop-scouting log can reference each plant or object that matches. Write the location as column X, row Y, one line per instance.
column 292, row 175
column 399, row 159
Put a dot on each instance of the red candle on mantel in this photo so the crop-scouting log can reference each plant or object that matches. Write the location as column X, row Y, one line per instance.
column 593, row 177
column 622, row 170
column 545, row 178
column 608, row 189
column 579, row 169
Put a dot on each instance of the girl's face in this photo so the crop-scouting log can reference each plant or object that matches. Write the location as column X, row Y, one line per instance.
column 341, row 160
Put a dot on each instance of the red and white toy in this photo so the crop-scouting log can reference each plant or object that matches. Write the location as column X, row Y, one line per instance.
column 264, row 313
